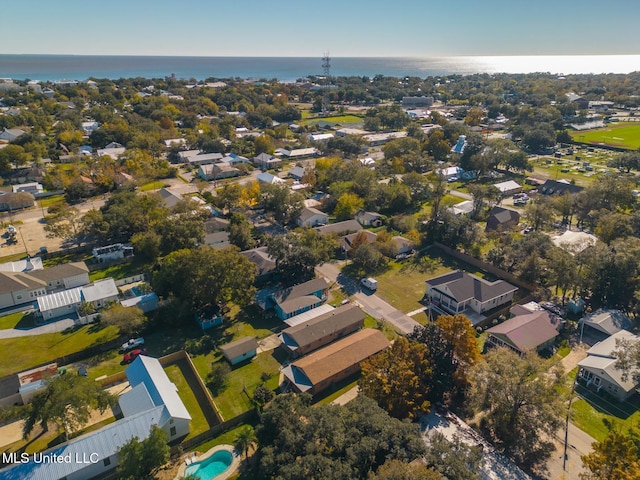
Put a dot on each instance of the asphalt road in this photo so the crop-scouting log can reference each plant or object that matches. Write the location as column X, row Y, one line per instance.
column 368, row 301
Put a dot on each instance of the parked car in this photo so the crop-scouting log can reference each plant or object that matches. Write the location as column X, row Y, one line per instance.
column 132, row 343
column 370, row 283
column 131, row 356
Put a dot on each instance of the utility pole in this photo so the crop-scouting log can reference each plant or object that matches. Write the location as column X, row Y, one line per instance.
column 326, row 69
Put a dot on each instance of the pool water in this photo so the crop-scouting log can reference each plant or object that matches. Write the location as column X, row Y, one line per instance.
column 212, row 466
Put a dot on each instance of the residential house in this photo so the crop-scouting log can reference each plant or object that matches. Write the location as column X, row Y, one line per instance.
column 458, row 291
column 66, row 302
column 34, row 381
column 265, row 263
column 10, row 134
column 147, row 302
column 266, row 177
column 217, row 240
column 265, row 161
column 213, row 225
column 322, row 330
column 296, row 173
column 462, row 208
column 508, row 188
column 292, row 301
column 410, row 102
column 16, row 201
column 502, row 219
column 560, row 187
column 320, row 137
column 377, row 139
column 460, row 145
column 402, row 245
column 340, row 228
column 451, row 174
column 335, row 362
column 113, row 150
column 184, row 155
column 33, row 188
column 297, row 152
column 175, row 142
column 109, row 253
column 89, row 127
column 209, row 318
column 200, row 158
column 346, row 243
column 599, row 372
column 169, row 198
column 524, row 333
column 343, row 132
column 369, row 219
column 240, row 350
column 26, row 265
column 217, row 171
column 606, row 322
column 312, row 217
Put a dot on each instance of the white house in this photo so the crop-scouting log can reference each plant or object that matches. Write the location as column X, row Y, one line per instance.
column 320, row 137
column 113, row 150
column 152, row 400
column 266, row 177
column 297, row 152
column 31, row 187
column 457, row 291
column 116, row 251
column 89, row 127
column 598, row 370
column 508, row 188
column 312, row 217
column 67, row 302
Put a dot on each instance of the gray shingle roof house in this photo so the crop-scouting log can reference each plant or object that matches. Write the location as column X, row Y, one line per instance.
column 607, row 321
column 265, row 263
column 345, row 227
column 294, row 300
column 240, row 350
column 456, row 291
column 320, row 331
column 599, row 372
column 502, row 218
column 311, row 217
column 322, row 368
column 523, row 333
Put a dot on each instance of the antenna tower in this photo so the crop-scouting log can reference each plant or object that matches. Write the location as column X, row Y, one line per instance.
column 326, row 69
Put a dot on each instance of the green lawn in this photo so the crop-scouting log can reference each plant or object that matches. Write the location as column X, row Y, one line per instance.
column 23, row 353
column 339, row 119
column 621, row 135
column 122, row 270
column 339, row 389
column 16, row 320
column 198, row 423
column 243, row 380
column 155, row 185
column 227, row 438
column 50, row 201
column 402, row 285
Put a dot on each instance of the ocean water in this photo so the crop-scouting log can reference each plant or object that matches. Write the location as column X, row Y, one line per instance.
column 81, row 67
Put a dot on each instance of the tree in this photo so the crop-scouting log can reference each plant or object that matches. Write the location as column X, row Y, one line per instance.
column 616, row 457
column 218, row 377
column 520, row 403
column 347, row 206
column 397, row 470
column 397, row 378
column 455, row 459
column 279, row 200
column 262, row 395
column 206, row 277
column 86, row 308
column 244, row 440
column 240, row 232
column 180, row 231
column 139, row 459
column 67, row 401
column 297, row 253
column 331, row 442
column 459, row 333
column 539, row 213
column 626, row 161
column 368, row 258
column 66, row 223
column 129, row 320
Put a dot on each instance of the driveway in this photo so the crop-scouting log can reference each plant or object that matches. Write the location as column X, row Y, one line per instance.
column 52, row 327
column 370, row 303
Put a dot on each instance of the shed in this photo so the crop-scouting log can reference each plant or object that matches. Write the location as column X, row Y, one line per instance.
column 240, row 350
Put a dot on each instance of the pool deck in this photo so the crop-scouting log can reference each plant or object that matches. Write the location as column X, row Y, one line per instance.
column 222, row 476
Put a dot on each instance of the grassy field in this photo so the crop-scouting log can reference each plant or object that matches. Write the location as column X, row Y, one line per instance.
column 198, row 423
column 16, row 320
column 122, row 270
column 620, row 135
column 26, row 352
column 51, row 201
column 245, row 378
column 402, row 285
column 345, row 120
column 155, row 185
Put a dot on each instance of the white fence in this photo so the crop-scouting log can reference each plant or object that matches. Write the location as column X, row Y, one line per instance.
column 128, row 280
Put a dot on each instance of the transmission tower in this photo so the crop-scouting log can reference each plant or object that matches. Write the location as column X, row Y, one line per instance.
column 326, row 68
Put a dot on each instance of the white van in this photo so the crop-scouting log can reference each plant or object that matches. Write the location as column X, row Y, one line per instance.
column 370, row 283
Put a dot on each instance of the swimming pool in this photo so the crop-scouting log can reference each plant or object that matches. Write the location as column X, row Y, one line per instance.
column 212, row 466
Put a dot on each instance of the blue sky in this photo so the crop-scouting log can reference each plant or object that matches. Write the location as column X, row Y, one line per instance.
column 405, row 28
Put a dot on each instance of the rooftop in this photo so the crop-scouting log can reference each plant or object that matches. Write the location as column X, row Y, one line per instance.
column 464, row 286
column 239, row 347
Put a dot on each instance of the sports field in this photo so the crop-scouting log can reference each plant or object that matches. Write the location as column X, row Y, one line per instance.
column 623, row 135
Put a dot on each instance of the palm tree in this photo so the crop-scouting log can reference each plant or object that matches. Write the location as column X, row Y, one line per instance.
column 244, row 440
